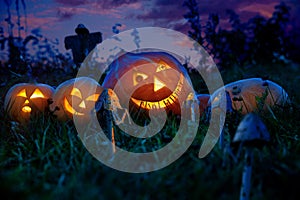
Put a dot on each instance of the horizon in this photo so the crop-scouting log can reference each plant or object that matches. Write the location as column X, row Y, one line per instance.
column 57, row 19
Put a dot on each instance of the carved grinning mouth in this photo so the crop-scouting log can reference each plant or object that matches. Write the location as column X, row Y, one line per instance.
column 164, row 102
column 70, row 108
column 26, row 109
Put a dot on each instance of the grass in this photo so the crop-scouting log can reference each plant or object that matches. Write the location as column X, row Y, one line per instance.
column 46, row 159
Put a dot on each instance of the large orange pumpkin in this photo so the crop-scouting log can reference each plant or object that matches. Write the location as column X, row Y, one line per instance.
column 25, row 99
column 249, row 95
column 76, row 96
column 153, row 80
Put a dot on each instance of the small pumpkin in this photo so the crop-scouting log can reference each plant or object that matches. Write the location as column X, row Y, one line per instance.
column 76, row 96
column 249, row 95
column 155, row 81
column 26, row 99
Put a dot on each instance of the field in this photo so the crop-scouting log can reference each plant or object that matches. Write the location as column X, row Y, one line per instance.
column 46, row 160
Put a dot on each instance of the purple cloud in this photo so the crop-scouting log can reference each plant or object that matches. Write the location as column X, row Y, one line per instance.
column 64, row 13
column 162, row 12
column 116, row 3
column 72, row 2
column 103, row 4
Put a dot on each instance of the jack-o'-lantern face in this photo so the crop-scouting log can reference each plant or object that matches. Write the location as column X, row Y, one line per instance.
column 163, row 89
column 25, row 99
column 155, row 80
column 36, row 94
column 248, row 95
column 79, row 105
column 76, row 97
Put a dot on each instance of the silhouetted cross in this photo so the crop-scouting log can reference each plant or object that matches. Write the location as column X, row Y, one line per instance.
column 82, row 43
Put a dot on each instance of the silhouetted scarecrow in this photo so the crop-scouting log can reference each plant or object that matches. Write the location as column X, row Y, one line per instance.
column 82, row 43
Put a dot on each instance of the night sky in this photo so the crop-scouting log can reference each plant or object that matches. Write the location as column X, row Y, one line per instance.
column 58, row 18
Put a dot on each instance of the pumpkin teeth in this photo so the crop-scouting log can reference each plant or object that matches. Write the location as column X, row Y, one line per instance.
column 162, row 103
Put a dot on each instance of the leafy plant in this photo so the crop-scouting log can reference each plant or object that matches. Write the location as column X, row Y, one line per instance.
column 257, row 41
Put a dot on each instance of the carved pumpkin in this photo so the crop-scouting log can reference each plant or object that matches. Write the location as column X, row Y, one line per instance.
column 24, row 100
column 76, row 96
column 247, row 95
column 152, row 80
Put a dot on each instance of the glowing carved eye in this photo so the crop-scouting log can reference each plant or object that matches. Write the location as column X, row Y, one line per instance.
column 138, row 77
column 22, row 93
column 93, row 97
column 37, row 94
column 162, row 66
column 76, row 92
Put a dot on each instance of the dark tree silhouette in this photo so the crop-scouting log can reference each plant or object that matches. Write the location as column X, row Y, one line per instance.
column 28, row 54
column 193, row 17
column 256, row 41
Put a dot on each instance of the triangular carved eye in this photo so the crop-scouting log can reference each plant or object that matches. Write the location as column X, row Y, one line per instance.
column 138, row 77
column 22, row 93
column 93, row 97
column 162, row 66
column 76, row 92
column 37, row 94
